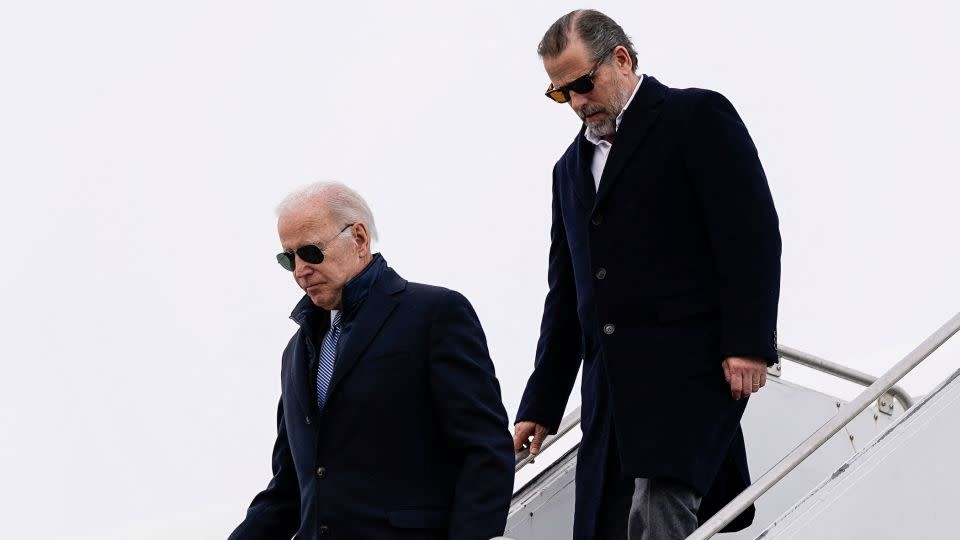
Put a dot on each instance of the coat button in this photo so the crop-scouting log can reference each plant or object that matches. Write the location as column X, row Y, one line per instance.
column 597, row 220
column 321, row 472
column 323, row 530
column 308, row 420
column 601, row 273
column 609, row 329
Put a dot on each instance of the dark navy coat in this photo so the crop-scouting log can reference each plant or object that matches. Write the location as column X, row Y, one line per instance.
column 671, row 266
column 413, row 441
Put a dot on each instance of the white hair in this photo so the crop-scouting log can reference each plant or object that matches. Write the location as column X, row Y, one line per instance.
column 344, row 204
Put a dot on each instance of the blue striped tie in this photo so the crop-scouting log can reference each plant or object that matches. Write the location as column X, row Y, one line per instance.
column 328, row 354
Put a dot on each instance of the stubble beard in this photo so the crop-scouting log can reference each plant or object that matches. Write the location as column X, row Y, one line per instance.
column 607, row 126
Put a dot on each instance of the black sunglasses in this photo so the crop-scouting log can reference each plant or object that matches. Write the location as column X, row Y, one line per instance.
column 580, row 85
column 310, row 253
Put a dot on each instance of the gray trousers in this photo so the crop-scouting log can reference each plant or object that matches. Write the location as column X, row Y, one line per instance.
column 654, row 509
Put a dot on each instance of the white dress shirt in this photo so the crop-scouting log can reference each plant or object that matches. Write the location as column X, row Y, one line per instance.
column 602, row 147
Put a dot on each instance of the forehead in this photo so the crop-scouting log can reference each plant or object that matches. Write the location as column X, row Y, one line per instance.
column 573, row 62
column 303, row 225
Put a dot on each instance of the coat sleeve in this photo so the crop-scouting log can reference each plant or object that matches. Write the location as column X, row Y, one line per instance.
column 558, row 354
column 742, row 226
column 275, row 511
column 472, row 419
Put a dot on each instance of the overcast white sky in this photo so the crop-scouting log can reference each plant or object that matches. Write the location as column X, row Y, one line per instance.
column 143, row 147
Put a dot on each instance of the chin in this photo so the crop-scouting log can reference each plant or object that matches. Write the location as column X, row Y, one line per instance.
column 599, row 130
column 325, row 302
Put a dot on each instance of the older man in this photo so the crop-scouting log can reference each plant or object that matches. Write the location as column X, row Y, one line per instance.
column 390, row 423
column 664, row 275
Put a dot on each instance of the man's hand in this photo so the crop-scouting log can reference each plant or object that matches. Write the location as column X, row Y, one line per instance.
column 745, row 375
column 522, row 433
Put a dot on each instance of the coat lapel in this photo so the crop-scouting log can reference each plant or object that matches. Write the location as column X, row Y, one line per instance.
column 637, row 121
column 583, row 183
column 305, row 373
column 383, row 298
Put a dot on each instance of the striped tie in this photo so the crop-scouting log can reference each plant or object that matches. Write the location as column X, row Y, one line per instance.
column 328, row 354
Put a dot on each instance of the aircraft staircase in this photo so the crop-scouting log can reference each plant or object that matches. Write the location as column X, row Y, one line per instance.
column 833, row 469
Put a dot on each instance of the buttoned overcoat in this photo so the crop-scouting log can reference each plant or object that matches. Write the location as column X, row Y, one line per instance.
column 670, row 266
column 412, row 442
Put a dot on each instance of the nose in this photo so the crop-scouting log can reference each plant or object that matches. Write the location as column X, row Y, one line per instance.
column 577, row 100
column 300, row 268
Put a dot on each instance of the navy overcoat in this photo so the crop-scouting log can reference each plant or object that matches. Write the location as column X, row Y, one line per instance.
column 413, row 442
column 670, row 266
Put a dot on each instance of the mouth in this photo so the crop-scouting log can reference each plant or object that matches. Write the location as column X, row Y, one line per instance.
column 593, row 115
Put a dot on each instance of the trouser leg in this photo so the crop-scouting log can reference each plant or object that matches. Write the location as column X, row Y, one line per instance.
column 662, row 510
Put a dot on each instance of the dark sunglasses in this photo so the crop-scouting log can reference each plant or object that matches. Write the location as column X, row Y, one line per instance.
column 580, row 85
column 310, row 253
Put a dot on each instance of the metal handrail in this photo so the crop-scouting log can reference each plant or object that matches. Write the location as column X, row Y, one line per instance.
column 841, row 371
column 822, row 435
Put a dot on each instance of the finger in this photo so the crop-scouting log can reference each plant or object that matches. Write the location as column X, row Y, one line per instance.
column 538, row 437
column 755, row 380
column 521, row 435
column 736, row 386
column 763, row 377
column 747, row 377
column 726, row 370
column 517, row 444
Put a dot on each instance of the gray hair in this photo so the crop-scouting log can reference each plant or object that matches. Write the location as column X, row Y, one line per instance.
column 597, row 31
column 344, row 204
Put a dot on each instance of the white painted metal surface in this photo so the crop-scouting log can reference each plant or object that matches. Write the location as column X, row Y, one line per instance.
column 776, row 421
column 901, row 485
column 867, row 399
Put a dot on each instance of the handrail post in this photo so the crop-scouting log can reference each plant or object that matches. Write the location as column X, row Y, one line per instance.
column 822, row 435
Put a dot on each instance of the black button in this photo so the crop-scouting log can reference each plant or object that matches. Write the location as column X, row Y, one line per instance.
column 308, row 420
column 609, row 329
column 597, row 219
column 601, row 273
column 321, row 472
column 323, row 530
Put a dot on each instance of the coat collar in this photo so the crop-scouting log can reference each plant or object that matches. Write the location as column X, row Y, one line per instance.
column 583, row 185
column 372, row 298
column 354, row 293
column 638, row 118
column 383, row 297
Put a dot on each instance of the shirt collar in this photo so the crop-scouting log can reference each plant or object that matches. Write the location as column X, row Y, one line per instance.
column 596, row 140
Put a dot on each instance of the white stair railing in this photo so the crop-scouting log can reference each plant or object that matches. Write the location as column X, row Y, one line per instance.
column 822, row 435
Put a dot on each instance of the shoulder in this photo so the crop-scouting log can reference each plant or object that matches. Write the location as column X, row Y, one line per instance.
column 691, row 100
column 439, row 303
column 435, row 295
column 697, row 110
